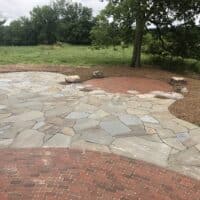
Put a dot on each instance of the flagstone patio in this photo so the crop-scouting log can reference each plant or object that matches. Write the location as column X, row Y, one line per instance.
column 37, row 111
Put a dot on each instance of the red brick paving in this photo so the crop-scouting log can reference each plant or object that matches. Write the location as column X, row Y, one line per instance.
column 59, row 174
column 123, row 84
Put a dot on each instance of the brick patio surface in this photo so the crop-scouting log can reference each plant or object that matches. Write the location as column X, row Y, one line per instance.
column 59, row 174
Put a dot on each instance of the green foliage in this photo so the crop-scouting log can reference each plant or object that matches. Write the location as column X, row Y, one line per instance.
column 183, row 41
column 105, row 33
column 176, row 64
column 59, row 22
column 114, row 25
column 71, row 55
column 163, row 14
column 44, row 20
column 75, row 22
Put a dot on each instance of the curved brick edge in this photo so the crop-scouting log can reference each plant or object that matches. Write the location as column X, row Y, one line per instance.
column 71, row 174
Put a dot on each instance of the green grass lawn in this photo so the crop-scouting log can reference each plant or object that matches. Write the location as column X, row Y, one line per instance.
column 68, row 54
column 86, row 56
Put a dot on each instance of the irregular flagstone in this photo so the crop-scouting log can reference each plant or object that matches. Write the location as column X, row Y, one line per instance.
column 30, row 105
column 115, row 128
column 195, row 137
column 55, row 120
column 158, row 108
column 173, row 142
column 96, row 135
column 50, row 129
column 68, row 131
column 27, row 116
column 188, row 157
column 163, row 116
column 133, row 104
column 146, row 104
column 99, row 114
column 114, row 108
column 38, row 125
column 198, row 146
column 69, row 123
column 5, row 115
column 82, row 124
column 5, row 143
column 165, row 133
column 3, row 107
column 82, row 107
column 185, row 124
column 9, row 134
column 138, row 130
column 149, row 119
column 174, row 151
column 192, row 171
column 12, row 131
column 130, row 120
column 139, row 148
column 77, row 115
column 28, row 139
column 58, row 111
column 195, row 134
column 83, row 145
column 176, row 128
column 136, row 112
column 92, row 100
column 182, row 137
column 153, row 138
column 59, row 140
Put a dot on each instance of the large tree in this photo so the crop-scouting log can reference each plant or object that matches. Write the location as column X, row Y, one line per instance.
column 143, row 13
column 44, row 20
column 75, row 22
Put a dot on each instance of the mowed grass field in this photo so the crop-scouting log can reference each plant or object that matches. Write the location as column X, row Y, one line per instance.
column 71, row 55
column 65, row 55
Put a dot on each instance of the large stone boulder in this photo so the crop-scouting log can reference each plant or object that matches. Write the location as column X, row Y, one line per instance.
column 97, row 74
column 72, row 79
column 178, row 81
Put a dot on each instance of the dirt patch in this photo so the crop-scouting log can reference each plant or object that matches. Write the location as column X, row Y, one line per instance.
column 123, row 84
column 187, row 108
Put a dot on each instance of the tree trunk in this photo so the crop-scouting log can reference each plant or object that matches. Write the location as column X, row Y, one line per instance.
column 139, row 31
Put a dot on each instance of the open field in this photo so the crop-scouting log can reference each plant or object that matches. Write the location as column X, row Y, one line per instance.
column 86, row 56
column 68, row 54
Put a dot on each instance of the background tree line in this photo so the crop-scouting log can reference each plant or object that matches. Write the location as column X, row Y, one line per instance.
column 59, row 22
column 162, row 27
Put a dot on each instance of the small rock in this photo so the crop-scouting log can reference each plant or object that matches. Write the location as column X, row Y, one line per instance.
column 73, row 79
column 170, row 95
column 133, row 92
column 178, row 81
column 184, row 90
column 178, row 88
column 98, row 74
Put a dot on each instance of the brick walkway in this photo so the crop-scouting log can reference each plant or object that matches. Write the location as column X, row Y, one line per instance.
column 70, row 174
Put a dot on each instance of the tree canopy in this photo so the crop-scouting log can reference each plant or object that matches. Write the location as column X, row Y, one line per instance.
column 138, row 15
column 59, row 22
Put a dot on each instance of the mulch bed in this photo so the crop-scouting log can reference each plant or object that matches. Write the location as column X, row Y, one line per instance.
column 187, row 108
column 61, row 174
